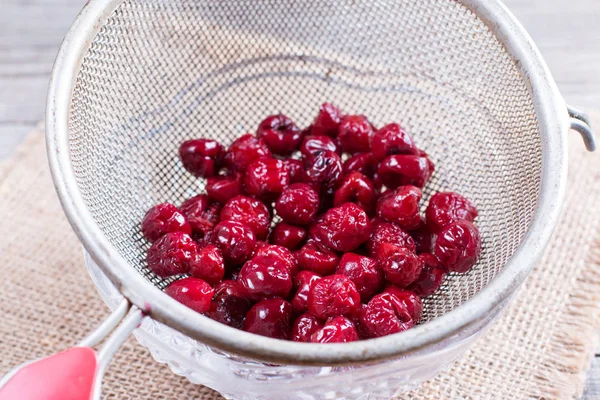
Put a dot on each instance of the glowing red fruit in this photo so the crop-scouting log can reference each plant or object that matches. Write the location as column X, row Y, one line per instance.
column 171, row 254
column 208, row 265
column 274, row 254
column 295, row 168
column 365, row 163
column 400, row 170
column 411, row 300
column 392, row 139
column 364, row 272
column 201, row 157
column 342, row 228
column 298, row 204
column 164, row 218
column 230, row 304
column 385, row 232
column 315, row 144
column 192, row 292
column 280, row 134
column 201, row 214
column 244, row 150
column 313, row 258
column 431, row 277
column 327, row 121
column 358, row 189
column 304, row 326
column 289, row 236
column 263, row 280
column 266, row 178
column 446, row 208
column 235, row 240
column 355, row 134
column 323, row 170
column 269, row 318
column 302, row 284
column 386, row 314
column 250, row 212
column 223, row 188
column 458, row 246
column 401, row 267
column 332, row 296
column 336, row 330
column 401, row 207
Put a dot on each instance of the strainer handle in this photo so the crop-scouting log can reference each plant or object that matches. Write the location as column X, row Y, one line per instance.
column 76, row 373
column 581, row 123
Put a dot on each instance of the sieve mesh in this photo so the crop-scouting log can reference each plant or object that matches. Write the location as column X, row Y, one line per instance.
column 162, row 71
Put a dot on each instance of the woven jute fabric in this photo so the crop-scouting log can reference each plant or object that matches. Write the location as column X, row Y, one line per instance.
column 540, row 347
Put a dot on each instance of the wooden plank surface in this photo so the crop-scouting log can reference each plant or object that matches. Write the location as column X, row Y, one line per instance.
column 566, row 31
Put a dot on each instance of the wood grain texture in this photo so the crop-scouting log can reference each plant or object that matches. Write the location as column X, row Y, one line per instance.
column 566, row 31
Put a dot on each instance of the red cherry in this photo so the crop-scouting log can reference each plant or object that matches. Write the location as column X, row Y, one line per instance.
column 336, row 330
column 191, row 292
column 313, row 258
column 446, row 208
column 411, row 300
column 201, row 214
column 365, row 163
column 295, row 168
column 364, row 272
column 274, row 254
column 323, row 170
column 298, row 204
column 269, row 318
column 280, row 134
column 208, row 265
column 458, row 246
column 385, row 232
column 262, row 280
column 201, row 157
column 244, row 150
column 229, row 304
column 386, row 314
column 401, row 206
column 164, row 218
column 332, row 296
column 315, row 144
column 392, row 139
column 266, row 178
column 399, row 170
column 355, row 134
column 431, row 277
column 289, row 236
column 342, row 228
column 303, row 283
column 223, row 188
column 401, row 267
column 358, row 189
column 250, row 212
column 327, row 121
column 171, row 254
column 235, row 240
column 304, row 326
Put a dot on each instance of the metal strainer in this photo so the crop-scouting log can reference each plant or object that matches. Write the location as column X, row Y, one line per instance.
column 135, row 78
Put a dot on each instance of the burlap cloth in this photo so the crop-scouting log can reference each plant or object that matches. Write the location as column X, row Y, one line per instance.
column 540, row 348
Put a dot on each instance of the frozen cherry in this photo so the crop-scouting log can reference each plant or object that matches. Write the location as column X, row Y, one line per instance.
column 262, row 279
column 431, row 277
column 323, row 170
column 192, row 292
column 392, row 139
column 333, row 295
column 295, row 168
column 235, row 240
column 208, row 265
column 280, row 134
column 423, row 238
column 365, row 163
column 445, row 208
column 250, row 212
column 458, row 246
column 304, row 326
column 201, row 157
column 266, row 178
column 171, row 254
column 342, row 228
column 289, row 236
column 364, row 272
column 385, row 232
column 404, row 169
column 201, row 214
column 244, row 150
column 411, row 300
column 229, row 304
column 314, row 144
column 401, row 207
column 358, row 189
column 313, row 258
column 298, row 204
column 336, row 330
column 164, row 218
column 401, row 267
column 274, row 254
column 355, row 134
column 302, row 284
column 223, row 188
column 386, row 314
column 327, row 121
column 269, row 318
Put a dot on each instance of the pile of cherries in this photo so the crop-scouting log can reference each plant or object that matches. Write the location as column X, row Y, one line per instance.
column 351, row 256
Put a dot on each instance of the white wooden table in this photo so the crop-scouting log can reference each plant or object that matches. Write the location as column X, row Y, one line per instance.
column 567, row 32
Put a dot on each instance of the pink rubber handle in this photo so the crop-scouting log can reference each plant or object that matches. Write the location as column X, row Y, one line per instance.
column 68, row 375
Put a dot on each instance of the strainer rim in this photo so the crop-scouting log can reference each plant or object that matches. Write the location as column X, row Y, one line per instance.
column 552, row 118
